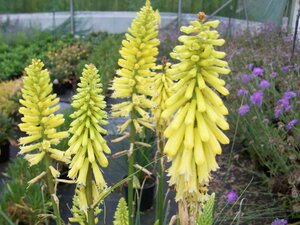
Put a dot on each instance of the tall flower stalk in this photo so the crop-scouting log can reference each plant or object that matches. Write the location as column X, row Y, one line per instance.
column 39, row 123
column 194, row 133
column 162, row 87
column 134, row 79
column 88, row 146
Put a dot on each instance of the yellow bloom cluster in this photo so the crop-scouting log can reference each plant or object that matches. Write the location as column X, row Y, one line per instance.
column 162, row 91
column 194, row 134
column 39, row 120
column 80, row 205
column 86, row 142
column 134, row 80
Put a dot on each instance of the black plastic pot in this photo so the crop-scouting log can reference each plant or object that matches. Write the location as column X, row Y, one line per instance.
column 59, row 89
column 147, row 193
column 4, row 151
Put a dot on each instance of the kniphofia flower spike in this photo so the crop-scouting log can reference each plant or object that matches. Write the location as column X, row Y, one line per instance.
column 39, row 121
column 194, row 134
column 134, row 80
column 87, row 143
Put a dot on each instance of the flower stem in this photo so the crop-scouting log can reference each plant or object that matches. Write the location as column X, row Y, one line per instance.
column 131, row 171
column 160, row 183
column 50, row 185
column 89, row 196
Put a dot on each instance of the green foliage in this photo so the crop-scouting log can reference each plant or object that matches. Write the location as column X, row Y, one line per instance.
column 10, row 92
column 121, row 214
column 265, row 133
column 17, row 50
column 63, row 144
column 64, row 58
column 104, row 55
column 6, row 128
column 20, row 203
column 206, row 217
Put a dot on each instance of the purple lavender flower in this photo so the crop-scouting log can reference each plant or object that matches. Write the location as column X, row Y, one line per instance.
column 246, row 79
column 258, row 71
column 279, row 222
column 291, row 124
column 273, row 74
column 283, row 105
column 257, row 98
column 244, row 109
column 242, row 92
column 232, row 197
column 249, row 66
column 286, row 69
column 289, row 94
column 264, row 84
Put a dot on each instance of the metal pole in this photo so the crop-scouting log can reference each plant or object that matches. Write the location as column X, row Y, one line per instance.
column 179, row 14
column 296, row 31
column 72, row 17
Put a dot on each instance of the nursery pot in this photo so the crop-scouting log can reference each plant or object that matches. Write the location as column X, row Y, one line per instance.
column 59, row 89
column 4, row 151
column 146, row 193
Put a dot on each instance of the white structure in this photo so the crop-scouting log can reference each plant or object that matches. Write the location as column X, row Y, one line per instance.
column 111, row 22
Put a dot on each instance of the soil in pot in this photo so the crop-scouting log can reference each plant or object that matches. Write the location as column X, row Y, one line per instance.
column 146, row 193
column 4, row 151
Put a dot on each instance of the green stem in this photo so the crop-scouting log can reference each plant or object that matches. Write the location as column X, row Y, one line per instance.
column 50, row 185
column 89, row 196
column 161, row 183
column 131, row 171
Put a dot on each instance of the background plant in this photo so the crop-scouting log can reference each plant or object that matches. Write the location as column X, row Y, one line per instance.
column 6, row 128
column 20, row 203
column 265, row 95
column 10, row 92
column 62, row 62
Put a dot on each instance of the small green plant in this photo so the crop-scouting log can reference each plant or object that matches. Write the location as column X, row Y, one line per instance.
column 121, row 214
column 207, row 215
column 6, row 128
column 23, row 204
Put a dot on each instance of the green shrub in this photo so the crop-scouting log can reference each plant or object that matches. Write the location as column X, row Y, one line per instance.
column 104, row 55
column 6, row 128
column 17, row 201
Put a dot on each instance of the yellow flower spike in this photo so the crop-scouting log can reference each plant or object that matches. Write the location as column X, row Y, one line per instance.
column 134, row 79
column 38, row 108
column 194, row 133
column 87, row 145
column 86, row 141
column 80, row 205
column 162, row 85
